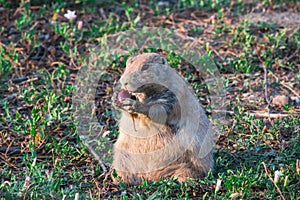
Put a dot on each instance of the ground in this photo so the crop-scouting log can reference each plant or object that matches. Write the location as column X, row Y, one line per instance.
column 255, row 46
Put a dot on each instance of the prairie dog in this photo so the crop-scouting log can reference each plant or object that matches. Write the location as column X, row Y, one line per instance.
column 164, row 131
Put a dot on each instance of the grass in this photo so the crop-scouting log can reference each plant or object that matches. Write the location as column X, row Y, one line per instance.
column 41, row 52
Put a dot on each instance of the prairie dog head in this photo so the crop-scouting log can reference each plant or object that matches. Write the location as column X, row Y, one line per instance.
column 145, row 89
column 144, row 69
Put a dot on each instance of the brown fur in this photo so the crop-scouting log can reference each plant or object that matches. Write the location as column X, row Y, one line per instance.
column 164, row 132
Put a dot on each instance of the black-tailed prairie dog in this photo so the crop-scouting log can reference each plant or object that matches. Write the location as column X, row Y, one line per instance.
column 164, row 131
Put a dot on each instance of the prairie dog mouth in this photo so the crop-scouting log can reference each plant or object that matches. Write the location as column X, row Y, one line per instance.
column 123, row 94
column 126, row 98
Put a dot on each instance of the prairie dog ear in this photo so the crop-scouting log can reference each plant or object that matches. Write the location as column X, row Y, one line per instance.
column 130, row 60
column 156, row 58
column 163, row 60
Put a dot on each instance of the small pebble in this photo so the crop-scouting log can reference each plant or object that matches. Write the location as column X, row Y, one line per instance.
column 163, row 3
column 280, row 100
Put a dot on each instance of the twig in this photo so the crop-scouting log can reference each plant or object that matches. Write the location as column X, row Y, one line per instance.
column 286, row 86
column 36, row 56
column 9, row 145
column 7, row 128
column 22, row 79
column 258, row 114
column 217, row 53
column 103, row 15
column 294, row 54
column 8, row 163
column 187, row 21
column 15, row 80
column 278, row 189
column 97, row 157
column 10, row 150
column 31, row 80
column 8, row 98
column 266, row 86
column 72, row 62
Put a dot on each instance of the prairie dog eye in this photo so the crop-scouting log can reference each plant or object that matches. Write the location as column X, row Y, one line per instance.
column 145, row 67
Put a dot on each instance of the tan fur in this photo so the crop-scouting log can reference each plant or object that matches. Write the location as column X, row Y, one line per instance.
column 147, row 148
